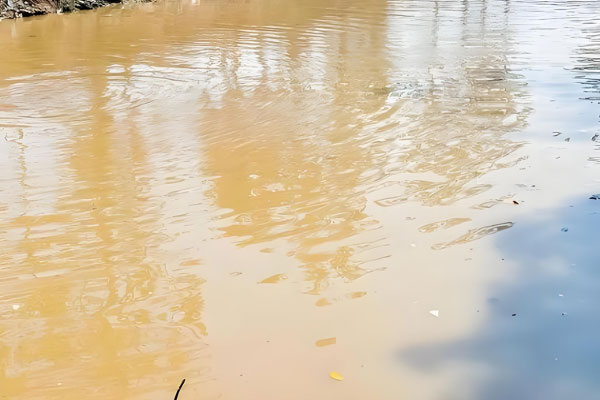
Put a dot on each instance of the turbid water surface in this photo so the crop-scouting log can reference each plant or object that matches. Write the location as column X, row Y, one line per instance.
column 253, row 194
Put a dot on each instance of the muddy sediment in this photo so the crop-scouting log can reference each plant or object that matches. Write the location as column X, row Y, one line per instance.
column 26, row 8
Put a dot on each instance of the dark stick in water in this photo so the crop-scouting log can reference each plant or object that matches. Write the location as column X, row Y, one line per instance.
column 180, row 386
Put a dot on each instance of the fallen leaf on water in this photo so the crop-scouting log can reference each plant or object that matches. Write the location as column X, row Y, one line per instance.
column 336, row 375
column 325, row 342
column 356, row 295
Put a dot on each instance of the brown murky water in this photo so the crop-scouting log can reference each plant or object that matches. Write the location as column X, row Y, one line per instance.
column 252, row 194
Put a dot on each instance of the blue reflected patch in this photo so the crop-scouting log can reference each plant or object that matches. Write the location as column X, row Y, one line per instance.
column 542, row 337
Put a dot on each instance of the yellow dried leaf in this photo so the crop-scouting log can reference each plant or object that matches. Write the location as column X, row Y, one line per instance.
column 325, row 342
column 356, row 295
column 336, row 375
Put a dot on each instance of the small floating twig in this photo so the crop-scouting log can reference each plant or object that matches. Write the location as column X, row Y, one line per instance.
column 180, row 386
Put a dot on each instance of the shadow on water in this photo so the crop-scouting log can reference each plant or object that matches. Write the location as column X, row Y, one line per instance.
column 550, row 348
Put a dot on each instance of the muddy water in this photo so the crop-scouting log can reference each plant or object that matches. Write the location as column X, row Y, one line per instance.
column 250, row 195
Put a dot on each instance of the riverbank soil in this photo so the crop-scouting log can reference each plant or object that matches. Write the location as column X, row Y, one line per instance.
column 27, row 8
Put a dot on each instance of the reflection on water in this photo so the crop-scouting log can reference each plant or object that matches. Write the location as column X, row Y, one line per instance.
column 475, row 234
column 363, row 114
column 542, row 329
column 204, row 190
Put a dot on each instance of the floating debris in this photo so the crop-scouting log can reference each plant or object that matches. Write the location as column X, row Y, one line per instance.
column 556, row 133
column 336, row 375
column 564, row 230
column 16, row 307
column 596, row 138
column 514, row 315
column 595, row 197
column 435, row 313
column 325, row 342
